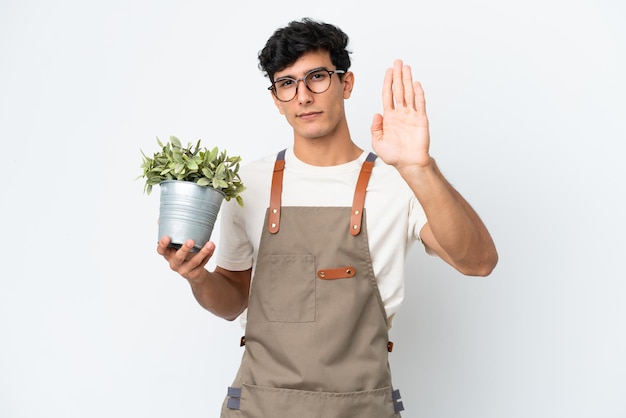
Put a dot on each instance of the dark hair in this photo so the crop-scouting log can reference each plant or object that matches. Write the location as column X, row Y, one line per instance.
column 289, row 43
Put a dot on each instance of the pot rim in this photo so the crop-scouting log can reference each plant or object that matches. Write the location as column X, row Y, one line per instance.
column 194, row 183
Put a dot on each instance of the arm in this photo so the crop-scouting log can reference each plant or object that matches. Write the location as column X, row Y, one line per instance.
column 401, row 138
column 222, row 292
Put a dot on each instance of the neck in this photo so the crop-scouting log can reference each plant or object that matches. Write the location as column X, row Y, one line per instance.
column 326, row 151
column 324, row 154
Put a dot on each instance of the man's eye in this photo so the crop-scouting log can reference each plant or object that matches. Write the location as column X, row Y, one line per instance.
column 284, row 83
column 317, row 76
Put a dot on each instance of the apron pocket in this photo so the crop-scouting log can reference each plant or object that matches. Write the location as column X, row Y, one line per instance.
column 264, row 402
column 292, row 288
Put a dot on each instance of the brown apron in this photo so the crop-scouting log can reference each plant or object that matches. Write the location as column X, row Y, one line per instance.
column 316, row 335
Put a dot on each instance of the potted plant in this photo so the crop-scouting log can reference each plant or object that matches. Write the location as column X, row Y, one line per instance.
column 194, row 181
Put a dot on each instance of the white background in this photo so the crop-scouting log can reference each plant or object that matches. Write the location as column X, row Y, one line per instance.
column 526, row 102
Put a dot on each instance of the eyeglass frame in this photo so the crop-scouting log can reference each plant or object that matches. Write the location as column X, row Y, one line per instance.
column 272, row 88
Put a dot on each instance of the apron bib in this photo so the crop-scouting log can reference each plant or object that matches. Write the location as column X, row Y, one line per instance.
column 316, row 335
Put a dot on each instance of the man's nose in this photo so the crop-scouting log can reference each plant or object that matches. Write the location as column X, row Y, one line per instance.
column 303, row 92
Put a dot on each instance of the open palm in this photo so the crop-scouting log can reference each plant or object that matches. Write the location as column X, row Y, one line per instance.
column 400, row 136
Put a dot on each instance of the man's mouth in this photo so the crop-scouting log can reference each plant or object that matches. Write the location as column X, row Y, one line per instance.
column 308, row 115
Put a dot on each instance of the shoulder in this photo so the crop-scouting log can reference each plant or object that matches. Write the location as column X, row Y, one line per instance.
column 256, row 175
column 259, row 165
column 390, row 193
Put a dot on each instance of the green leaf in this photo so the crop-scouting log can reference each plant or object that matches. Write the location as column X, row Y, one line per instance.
column 175, row 142
column 192, row 165
column 219, row 184
column 211, row 155
column 220, row 171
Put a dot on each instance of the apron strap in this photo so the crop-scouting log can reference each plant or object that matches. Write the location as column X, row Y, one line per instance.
column 359, row 194
column 357, row 204
column 276, row 193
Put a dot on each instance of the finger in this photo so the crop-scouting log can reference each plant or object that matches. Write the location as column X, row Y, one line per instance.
column 407, row 83
column 420, row 98
column 176, row 258
column 398, row 88
column 162, row 246
column 203, row 256
column 387, row 92
column 197, row 260
column 184, row 251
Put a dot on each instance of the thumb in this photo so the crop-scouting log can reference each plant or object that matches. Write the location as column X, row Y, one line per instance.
column 377, row 127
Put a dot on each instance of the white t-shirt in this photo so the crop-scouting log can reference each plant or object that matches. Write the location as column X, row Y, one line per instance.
column 393, row 213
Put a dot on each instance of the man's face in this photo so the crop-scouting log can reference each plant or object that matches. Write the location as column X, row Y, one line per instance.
column 315, row 115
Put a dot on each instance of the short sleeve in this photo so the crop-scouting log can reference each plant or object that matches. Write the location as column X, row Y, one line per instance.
column 417, row 220
column 234, row 250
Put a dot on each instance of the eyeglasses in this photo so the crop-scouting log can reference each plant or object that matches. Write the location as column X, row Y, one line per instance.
column 317, row 81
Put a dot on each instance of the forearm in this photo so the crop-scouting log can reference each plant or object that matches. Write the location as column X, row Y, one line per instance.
column 221, row 292
column 454, row 224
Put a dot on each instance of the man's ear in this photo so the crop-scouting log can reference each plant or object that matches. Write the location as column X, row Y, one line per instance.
column 348, row 84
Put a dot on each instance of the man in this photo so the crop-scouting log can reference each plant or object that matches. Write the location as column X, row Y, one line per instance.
column 320, row 270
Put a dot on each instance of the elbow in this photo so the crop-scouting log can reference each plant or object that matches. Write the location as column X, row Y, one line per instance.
column 231, row 316
column 484, row 271
column 483, row 267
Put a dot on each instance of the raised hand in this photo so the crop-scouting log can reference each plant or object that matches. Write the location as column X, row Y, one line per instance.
column 400, row 136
